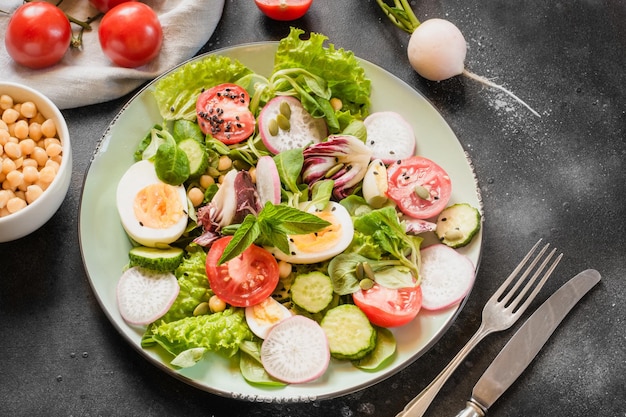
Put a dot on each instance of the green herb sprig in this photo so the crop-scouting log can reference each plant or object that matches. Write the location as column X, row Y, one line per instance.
column 270, row 227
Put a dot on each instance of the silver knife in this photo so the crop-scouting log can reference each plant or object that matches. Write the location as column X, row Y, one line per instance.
column 526, row 343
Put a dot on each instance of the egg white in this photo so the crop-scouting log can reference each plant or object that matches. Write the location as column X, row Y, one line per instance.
column 265, row 315
column 138, row 176
column 342, row 218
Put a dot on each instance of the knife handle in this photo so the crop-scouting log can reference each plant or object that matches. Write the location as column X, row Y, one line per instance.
column 471, row 410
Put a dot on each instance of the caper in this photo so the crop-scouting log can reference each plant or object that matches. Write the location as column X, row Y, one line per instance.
column 359, row 271
column 368, row 271
column 366, row 284
column 422, row 192
column 285, row 109
column 202, row 308
column 214, row 172
column 335, row 169
column 241, row 165
column 272, row 126
column 283, row 122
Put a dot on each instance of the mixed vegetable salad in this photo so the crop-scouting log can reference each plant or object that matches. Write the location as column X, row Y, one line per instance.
column 278, row 220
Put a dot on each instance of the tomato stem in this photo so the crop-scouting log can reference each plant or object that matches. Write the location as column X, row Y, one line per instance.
column 77, row 41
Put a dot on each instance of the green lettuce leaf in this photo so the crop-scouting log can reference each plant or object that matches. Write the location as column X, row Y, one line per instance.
column 194, row 286
column 218, row 332
column 176, row 93
column 343, row 76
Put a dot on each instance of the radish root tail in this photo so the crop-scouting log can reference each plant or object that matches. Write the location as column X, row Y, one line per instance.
column 491, row 84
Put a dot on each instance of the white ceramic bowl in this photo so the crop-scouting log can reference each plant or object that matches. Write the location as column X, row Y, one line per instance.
column 35, row 215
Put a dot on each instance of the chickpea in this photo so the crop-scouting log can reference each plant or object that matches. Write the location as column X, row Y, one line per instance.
column 216, row 304
column 28, row 109
column 9, row 116
column 206, row 181
column 224, row 163
column 196, row 196
column 6, row 102
column 30, row 154
column 252, row 172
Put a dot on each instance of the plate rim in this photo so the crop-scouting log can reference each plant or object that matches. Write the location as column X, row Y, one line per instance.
column 267, row 396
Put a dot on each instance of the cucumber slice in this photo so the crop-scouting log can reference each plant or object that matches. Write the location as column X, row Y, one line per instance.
column 349, row 332
column 312, row 292
column 156, row 259
column 458, row 224
column 197, row 156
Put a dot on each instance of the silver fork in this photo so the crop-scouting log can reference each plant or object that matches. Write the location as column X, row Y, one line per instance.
column 500, row 312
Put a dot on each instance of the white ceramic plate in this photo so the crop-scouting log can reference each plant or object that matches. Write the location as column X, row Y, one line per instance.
column 105, row 246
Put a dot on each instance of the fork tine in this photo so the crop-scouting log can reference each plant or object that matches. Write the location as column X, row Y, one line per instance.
column 514, row 290
column 529, row 299
column 513, row 274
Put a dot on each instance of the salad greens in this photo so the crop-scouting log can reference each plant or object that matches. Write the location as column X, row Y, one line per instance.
column 315, row 73
column 176, row 93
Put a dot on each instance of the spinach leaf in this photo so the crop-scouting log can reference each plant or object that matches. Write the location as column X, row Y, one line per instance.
column 171, row 163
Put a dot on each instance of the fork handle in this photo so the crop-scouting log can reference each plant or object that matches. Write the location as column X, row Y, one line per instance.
column 418, row 405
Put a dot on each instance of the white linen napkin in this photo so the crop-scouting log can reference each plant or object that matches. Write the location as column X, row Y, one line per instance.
column 87, row 76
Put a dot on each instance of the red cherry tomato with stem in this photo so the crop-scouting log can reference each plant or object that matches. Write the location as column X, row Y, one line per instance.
column 130, row 34
column 388, row 307
column 38, row 35
column 284, row 9
column 245, row 280
column 419, row 187
column 224, row 114
column 106, row 5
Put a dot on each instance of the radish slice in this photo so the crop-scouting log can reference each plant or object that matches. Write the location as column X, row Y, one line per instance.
column 143, row 296
column 303, row 129
column 446, row 276
column 389, row 136
column 295, row 350
column 267, row 180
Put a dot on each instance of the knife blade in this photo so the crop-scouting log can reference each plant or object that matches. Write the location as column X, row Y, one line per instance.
column 517, row 354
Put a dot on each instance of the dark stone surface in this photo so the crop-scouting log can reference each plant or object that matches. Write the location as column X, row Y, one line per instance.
column 560, row 177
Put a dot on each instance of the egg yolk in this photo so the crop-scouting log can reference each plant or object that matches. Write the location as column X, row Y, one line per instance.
column 158, row 206
column 322, row 239
column 267, row 312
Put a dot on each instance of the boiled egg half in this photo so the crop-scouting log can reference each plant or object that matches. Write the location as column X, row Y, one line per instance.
column 263, row 316
column 152, row 212
column 323, row 244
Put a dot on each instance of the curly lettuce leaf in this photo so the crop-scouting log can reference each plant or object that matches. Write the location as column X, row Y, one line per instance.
column 220, row 332
column 177, row 92
column 343, row 75
column 194, row 286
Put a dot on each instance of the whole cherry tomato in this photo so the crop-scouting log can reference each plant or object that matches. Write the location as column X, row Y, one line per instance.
column 284, row 9
column 106, row 5
column 130, row 34
column 38, row 35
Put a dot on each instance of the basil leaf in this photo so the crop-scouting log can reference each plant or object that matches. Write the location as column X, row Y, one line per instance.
column 245, row 235
column 289, row 164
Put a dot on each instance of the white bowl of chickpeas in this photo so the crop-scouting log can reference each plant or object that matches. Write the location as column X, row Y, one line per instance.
column 35, row 160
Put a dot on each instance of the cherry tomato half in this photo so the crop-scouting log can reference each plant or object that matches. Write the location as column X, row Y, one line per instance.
column 245, row 280
column 223, row 113
column 284, row 9
column 388, row 307
column 130, row 34
column 106, row 5
column 38, row 35
column 419, row 187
